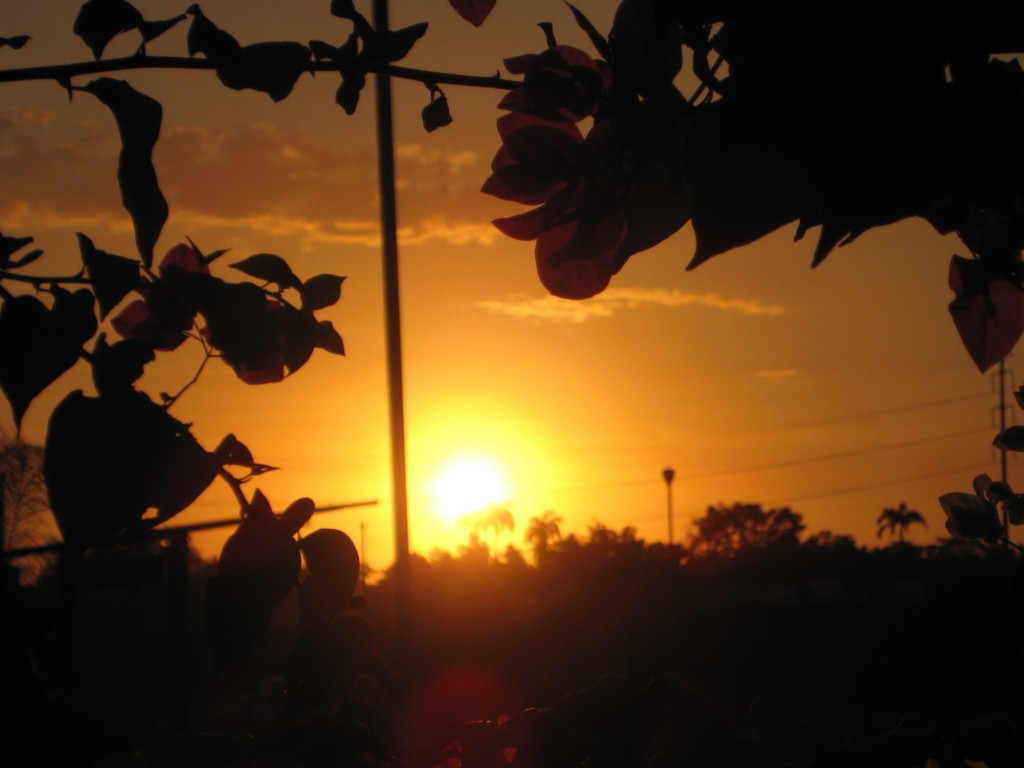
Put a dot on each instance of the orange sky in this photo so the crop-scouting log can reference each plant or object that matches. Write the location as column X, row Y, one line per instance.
column 837, row 391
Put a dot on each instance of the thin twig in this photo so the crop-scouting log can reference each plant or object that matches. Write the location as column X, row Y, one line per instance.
column 236, row 489
column 39, row 282
column 206, row 358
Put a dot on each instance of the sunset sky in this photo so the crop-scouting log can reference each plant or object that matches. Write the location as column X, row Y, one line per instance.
column 836, row 391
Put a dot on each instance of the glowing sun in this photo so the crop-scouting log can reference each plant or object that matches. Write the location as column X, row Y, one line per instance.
column 468, row 484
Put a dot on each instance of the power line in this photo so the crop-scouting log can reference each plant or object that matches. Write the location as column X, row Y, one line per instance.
column 881, row 484
column 796, row 425
column 779, row 465
column 835, row 456
column 879, row 412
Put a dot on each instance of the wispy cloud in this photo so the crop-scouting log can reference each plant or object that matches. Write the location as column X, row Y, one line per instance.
column 364, row 232
column 613, row 300
column 776, row 375
column 257, row 178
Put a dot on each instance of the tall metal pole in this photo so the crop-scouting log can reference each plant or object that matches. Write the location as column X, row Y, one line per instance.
column 396, row 398
column 669, row 474
column 1002, row 451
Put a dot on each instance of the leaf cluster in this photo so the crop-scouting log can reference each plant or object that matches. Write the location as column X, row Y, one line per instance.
column 986, row 514
column 835, row 119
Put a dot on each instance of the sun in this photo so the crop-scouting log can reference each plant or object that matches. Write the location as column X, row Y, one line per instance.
column 468, row 484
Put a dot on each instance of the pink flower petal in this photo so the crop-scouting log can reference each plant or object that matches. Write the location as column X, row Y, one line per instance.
column 517, row 121
column 575, row 261
column 183, row 257
column 517, row 65
column 520, row 184
column 525, row 226
column 262, row 375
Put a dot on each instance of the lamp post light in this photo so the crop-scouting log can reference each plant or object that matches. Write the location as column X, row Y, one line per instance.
column 669, row 474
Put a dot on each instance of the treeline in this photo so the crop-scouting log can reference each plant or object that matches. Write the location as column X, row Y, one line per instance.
column 748, row 612
column 825, row 623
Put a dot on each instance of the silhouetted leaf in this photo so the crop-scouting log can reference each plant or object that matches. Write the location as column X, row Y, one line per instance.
column 9, row 246
column 138, row 121
column 259, row 508
column 596, row 38
column 343, row 9
column 473, row 11
column 436, row 114
column 549, row 33
column 1010, row 439
column 38, row 344
column 270, row 268
column 347, row 95
column 322, row 50
column 744, row 182
column 259, row 564
column 970, row 517
column 350, row 66
column 207, row 38
column 245, row 325
column 25, row 259
column 299, row 341
column 333, row 564
column 115, row 368
column 16, row 42
column 151, row 30
column 113, row 277
column 328, row 339
column 271, row 67
column 231, row 450
column 1018, row 395
column 321, row 291
column 110, row 459
column 393, row 45
column 645, row 46
column 988, row 313
column 296, row 515
column 99, row 21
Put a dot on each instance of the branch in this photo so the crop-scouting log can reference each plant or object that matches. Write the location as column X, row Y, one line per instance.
column 206, row 358
column 39, row 281
column 236, row 489
column 444, row 78
column 63, row 72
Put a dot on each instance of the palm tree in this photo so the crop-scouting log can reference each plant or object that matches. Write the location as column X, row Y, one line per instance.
column 494, row 518
column 897, row 521
column 542, row 532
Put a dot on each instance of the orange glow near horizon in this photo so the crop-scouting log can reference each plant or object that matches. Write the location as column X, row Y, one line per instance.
column 468, row 484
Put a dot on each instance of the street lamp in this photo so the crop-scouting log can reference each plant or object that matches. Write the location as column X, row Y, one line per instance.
column 669, row 474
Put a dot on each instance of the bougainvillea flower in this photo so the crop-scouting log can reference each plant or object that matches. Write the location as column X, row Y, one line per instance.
column 165, row 314
column 602, row 198
column 988, row 311
column 561, row 83
column 972, row 515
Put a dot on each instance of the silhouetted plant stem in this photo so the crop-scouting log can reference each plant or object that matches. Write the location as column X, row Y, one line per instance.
column 63, row 72
column 236, row 488
column 39, row 281
column 206, row 358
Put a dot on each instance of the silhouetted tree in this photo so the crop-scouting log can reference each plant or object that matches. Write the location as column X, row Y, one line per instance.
column 24, row 507
column 24, row 504
column 541, row 532
column 495, row 518
column 896, row 521
column 724, row 531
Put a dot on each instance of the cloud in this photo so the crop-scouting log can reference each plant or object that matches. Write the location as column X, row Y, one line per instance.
column 776, row 375
column 259, row 178
column 551, row 308
column 362, row 232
